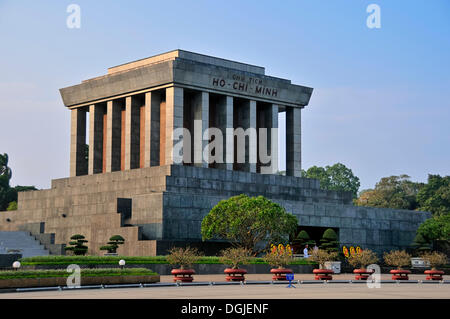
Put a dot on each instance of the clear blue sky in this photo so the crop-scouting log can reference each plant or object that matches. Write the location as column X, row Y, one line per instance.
column 381, row 101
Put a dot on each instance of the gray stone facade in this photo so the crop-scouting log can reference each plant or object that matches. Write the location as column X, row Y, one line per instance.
column 167, row 204
column 131, row 186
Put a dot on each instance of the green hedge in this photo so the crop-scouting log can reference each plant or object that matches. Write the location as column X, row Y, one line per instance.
column 102, row 260
column 12, row 274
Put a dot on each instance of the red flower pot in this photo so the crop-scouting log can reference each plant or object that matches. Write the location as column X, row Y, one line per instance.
column 362, row 274
column 323, row 274
column 183, row 275
column 434, row 274
column 280, row 273
column 235, row 274
column 400, row 274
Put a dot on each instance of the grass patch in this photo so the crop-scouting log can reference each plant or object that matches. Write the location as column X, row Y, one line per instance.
column 105, row 260
column 13, row 274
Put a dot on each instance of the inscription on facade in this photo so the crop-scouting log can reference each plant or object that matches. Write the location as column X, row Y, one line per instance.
column 245, row 84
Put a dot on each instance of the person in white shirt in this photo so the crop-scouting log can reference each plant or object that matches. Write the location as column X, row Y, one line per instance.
column 305, row 252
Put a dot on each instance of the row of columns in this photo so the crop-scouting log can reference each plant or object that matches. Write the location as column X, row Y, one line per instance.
column 137, row 131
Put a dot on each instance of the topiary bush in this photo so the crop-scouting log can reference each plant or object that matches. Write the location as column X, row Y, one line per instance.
column 78, row 246
column 113, row 244
column 329, row 241
column 421, row 245
column 303, row 238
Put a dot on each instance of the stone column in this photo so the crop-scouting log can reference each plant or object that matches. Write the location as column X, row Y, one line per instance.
column 173, row 120
column 245, row 122
column 271, row 140
column 95, row 139
column 293, row 141
column 113, row 136
column 223, row 120
column 131, row 133
column 78, row 163
column 228, row 133
column 201, row 124
column 253, row 140
column 152, row 128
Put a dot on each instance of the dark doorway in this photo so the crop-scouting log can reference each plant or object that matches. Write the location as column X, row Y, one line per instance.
column 315, row 234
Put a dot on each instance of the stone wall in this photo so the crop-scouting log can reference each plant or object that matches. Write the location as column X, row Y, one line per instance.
column 168, row 204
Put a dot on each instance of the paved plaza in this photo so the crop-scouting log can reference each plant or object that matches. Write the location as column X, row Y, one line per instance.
column 262, row 291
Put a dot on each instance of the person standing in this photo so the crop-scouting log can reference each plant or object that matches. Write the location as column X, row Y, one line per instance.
column 305, row 252
column 315, row 249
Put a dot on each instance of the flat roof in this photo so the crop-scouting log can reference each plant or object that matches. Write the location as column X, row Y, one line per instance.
column 187, row 55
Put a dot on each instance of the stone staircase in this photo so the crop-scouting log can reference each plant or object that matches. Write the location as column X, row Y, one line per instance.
column 21, row 242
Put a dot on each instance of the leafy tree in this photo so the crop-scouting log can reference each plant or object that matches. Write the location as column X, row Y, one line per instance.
column 391, row 192
column 329, row 241
column 436, row 228
column 8, row 194
column 337, row 177
column 248, row 221
column 113, row 244
column 12, row 206
column 434, row 196
column 78, row 246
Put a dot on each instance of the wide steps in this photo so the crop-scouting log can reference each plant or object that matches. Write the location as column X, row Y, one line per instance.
column 22, row 242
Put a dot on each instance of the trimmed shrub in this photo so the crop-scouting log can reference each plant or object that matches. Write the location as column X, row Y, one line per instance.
column 77, row 245
column 329, row 241
column 113, row 244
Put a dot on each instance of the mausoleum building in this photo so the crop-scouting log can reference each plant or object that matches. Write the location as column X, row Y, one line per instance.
column 156, row 143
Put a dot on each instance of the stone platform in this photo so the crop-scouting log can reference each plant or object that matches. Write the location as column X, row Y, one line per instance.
column 156, row 207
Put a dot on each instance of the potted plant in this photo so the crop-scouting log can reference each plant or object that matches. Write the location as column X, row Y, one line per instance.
column 435, row 259
column 113, row 244
column 184, row 257
column 279, row 257
column 78, row 246
column 235, row 257
column 360, row 261
column 321, row 256
column 399, row 259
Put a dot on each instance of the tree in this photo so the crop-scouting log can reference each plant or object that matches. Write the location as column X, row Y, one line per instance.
column 113, row 244
column 436, row 228
column 303, row 238
column 391, row 192
column 434, row 197
column 8, row 194
column 78, row 246
column 329, row 241
column 337, row 177
column 12, row 206
column 248, row 222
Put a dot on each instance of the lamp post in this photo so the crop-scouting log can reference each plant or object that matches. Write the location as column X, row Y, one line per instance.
column 122, row 263
column 16, row 265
